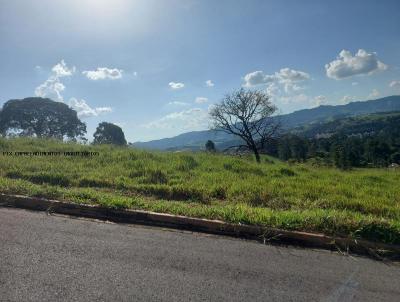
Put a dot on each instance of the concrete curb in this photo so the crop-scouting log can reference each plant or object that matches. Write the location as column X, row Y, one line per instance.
column 363, row 247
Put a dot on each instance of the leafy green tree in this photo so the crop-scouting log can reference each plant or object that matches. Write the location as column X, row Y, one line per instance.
column 355, row 151
column 312, row 148
column 377, row 152
column 108, row 133
column 210, row 146
column 284, row 152
column 298, row 148
column 395, row 158
column 340, row 156
column 40, row 117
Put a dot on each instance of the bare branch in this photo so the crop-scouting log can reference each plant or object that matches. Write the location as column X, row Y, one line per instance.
column 247, row 114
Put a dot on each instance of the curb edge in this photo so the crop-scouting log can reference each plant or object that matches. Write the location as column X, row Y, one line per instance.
column 265, row 234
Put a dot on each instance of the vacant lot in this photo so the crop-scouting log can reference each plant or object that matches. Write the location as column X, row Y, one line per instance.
column 363, row 203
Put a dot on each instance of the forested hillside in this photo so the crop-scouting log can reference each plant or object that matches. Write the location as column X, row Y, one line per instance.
column 367, row 140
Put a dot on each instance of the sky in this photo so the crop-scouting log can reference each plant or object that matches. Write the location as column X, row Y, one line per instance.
column 156, row 67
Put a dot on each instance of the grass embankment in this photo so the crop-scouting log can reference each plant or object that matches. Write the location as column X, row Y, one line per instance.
column 363, row 203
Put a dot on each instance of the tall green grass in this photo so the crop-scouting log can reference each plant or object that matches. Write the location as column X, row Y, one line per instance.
column 362, row 202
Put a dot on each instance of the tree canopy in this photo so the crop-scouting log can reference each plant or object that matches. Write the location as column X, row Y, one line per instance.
column 246, row 114
column 40, row 117
column 210, row 146
column 364, row 141
column 108, row 133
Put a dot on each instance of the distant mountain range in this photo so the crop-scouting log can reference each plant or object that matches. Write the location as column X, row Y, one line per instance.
column 370, row 124
column 195, row 140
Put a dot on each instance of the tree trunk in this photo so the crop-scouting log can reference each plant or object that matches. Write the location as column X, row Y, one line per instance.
column 256, row 154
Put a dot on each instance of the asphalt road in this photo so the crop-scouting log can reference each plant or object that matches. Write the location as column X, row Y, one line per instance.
column 57, row 258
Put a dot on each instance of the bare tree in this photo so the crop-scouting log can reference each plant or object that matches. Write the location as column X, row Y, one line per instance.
column 246, row 114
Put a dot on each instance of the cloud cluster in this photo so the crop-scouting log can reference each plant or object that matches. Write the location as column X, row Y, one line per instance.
column 191, row 119
column 52, row 87
column 283, row 86
column 288, row 78
column 374, row 94
column 256, row 78
column 346, row 99
column 84, row 110
column 185, row 120
column 319, row 100
column 175, row 85
column 394, row 84
column 61, row 70
column 102, row 73
column 346, row 65
column 287, row 74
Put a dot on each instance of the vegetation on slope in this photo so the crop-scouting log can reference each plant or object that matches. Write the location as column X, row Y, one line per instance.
column 367, row 140
column 195, row 140
column 360, row 203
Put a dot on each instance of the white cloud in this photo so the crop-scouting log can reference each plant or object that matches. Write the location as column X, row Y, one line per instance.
column 347, row 65
column 301, row 101
column 319, row 100
column 354, row 84
column 272, row 90
column 209, row 83
column 299, row 98
column 191, row 119
column 282, row 86
column 346, row 99
column 256, row 78
column 102, row 73
column 52, row 87
column 287, row 74
column 175, row 86
column 177, row 103
column 61, row 70
column 288, row 78
column 84, row 110
column 374, row 93
column 394, row 84
column 201, row 100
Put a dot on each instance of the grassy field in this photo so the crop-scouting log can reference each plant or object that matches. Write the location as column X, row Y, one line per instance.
column 362, row 203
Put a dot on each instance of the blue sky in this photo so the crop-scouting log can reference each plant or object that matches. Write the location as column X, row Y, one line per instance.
column 155, row 67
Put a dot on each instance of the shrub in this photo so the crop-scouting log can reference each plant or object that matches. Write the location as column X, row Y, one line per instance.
column 187, row 163
column 91, row 182
column 14, row 174
column 155, row 177
column 377, row 232
column 287, row 172
column 210, row 146
column 42, row 178
column 52, row 179
column 219, row 192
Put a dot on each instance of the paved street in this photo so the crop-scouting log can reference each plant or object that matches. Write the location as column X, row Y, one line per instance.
column 56, row 258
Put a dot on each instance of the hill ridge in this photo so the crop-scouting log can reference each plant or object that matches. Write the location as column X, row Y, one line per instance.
column 195, row 140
